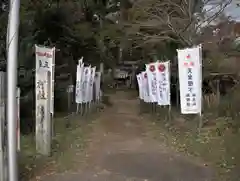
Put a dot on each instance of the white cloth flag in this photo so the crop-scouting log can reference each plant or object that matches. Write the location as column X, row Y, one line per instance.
column 145, row 87
column 152, row 81
column 85, row 83
column 79, row 79
column 190, row 79
column 97, row 85
column 45, row 61
column 92, row 76
column 163, row 83
column 140, row 90
column 79, row 67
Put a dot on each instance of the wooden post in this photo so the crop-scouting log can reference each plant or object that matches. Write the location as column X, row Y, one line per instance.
column 90, row 107
column 81, row 109
column 177, row 82
column 84, row 109
column 170, row 105
column 87, row 108
column 69, row 99
column 102, row 71
column 218, row 93
column 52, row 74
column 43, row 115
column 77, row 111
column 201, row 98
column 154, row 108
column 52, row 83
column 70, row 90
column 3, row 151
column 93, row 95
column 177, row 94
column 200, row 125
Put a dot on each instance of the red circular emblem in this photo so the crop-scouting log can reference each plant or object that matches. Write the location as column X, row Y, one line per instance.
column 145, row 75
column 188, row 56
column 161, row 68
column 152, row 68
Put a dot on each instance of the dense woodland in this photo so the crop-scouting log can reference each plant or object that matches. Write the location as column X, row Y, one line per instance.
column 110, row 31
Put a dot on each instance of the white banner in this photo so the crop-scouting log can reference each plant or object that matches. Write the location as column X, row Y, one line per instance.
column 85, row 83
column 140, row 90
column 45, row 60
column 152, row 81
column 79, row 79
column 163, row 83
column 145, row 87
column 79, row 66
column 190, row 79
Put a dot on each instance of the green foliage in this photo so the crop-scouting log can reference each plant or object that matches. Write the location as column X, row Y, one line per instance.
column 76, row 28
column 70, row 26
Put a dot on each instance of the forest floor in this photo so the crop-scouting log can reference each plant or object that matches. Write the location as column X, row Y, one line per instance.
column 120, row 147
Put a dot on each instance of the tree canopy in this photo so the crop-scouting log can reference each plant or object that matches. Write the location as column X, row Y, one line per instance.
column 103, row 30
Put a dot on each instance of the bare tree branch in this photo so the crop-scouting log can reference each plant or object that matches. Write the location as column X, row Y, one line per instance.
column 173, row 18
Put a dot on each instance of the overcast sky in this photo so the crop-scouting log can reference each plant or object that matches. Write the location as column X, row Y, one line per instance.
column 233, row 11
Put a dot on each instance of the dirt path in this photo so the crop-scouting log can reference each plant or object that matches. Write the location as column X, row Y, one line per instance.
column 120, row 150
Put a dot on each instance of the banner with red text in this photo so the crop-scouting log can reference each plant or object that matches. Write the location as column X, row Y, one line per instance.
column 163, row 83
column 152, row 81
column 190, row 79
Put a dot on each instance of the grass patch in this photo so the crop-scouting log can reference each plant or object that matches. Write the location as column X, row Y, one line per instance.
column 220, row 151
column 67, row 142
